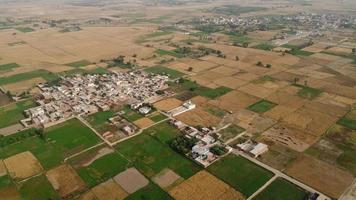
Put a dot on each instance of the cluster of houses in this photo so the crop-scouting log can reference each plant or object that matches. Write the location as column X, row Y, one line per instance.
column 86, row 94
column 201, row 151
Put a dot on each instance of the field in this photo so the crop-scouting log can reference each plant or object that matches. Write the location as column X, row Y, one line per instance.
column 203, row 185
column 240, row 173
column 65, row 180
column 173, row 74
column 281, row 189
column 131, row 115
column 101, row 169
column 151, row 156
column 37, row 188
column 17, row 171
column 9, row 66
column 261, row 106
column 230, row 132
column 131, row 180
column 168, row 104
column 99, row 120
column 143, row 122
column 151, row 191
column 47, row 75
column 164, row 132
column 326, row 178
column 109, row 190
column 197, row 117
column 80, row 63
column 12, row 114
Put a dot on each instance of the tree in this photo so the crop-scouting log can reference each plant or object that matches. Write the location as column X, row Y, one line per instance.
column 245, row 44
column 353, row 50
column 41, row 133
column 237, row 58
column 190, row 69
column 8, row 93
column 259, row 63
column 268, row 65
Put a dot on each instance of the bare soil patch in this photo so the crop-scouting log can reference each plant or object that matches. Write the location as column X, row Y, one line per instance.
column 203, row 185
column 9, row 193
column 144, row 122
column 197, row 117
column 21, row 86
column 166, row 178
column 131, row 180
column 235, row 100
column 109, row 190
column 230, row 82
column 65, row 180
column 23, row 165
column 320, row 175
column 168, row 104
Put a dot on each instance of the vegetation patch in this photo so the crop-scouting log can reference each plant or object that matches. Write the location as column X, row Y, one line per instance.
column 230, row 132
column 307, row 92
column 145, row 38
column 80, row 63
column 164, row 71
column 13, row 113
column 261, row 106
column 38, row 188
column 9, row 66
column 99, row 120
column 173, row 53
column 264, row 46
column 151, row 156
column 281, row 189
column 130, row 114
column 240, row 173
column 157, row 117
column 48, row 76
column 235, row 9
column 102, row 169
column 25, row 29
column 151, row 191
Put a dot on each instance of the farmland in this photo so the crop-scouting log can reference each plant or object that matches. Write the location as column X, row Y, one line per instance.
column 240, row 173
column 13, row 113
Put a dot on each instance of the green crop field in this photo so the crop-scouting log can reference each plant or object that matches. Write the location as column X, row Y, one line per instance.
column 151, row 156
column 48, row 76
column 9, row 66
column 102, row 169
column 240, row 173
column 71, row 136
column 99, row 120
column 349, row 123
column 164, row 71
column 5, row 181
column 163, row 52
column 281, row 189
column 264, row 46
column 164, row 132
column 25, row 29
column 187, row 85
column 308, row 92
column 131, row 115
column 38, row 188
column 150, row 192
column 80, row 63
column 261, row 106
column 13, row 113
column 157, row 117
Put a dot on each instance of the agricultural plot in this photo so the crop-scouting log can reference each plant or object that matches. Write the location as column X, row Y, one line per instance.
column 203, row 185
column 143, row 122
column 308, row 92
column 13, row 113
column 240, row 173
column 10, row 192
column 65, row 180
column 157, row 117
column 164, row 132
column 198, row 117
column 25, row 29
column 95, row 170
column 37, row 188
column 326, row 178
column 166, row 178
column 131, row 180
column 173, row 74
column 109, row 190
column 80, row 63
column 278, row 156
column 151, row 156
column 230, row 132
column 4, row 99
column 281, row 189
column 99, row 120
column 261, row 106
column 151, row 191
column 8, row 66
column 130, row 114
column 46, row 75
column 167, row 104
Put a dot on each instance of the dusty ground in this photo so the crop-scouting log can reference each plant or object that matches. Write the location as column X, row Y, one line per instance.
column 203, row 185
column 9, row 193
column 65, row 180
column 198, row 116
column 168, row 104
column 322, row 176
column 22, row 165
column 166, row 178
column 228, row 101
column 109, row 190
column 144, row 122
column 131, row 180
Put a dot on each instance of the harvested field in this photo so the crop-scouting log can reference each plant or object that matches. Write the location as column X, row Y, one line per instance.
column 340, row 50
column 166, row 178
column 230, row 82
column 279, row 112
column 9, row 193
column 326, row 57
column 4, row 99
column 197, row 117
column 22, row 86
column 203, row 185
column 109, row 190
column 322, row 176
column 262, row 35
column 228, row 101
column 168, row 104
column 315, row 48
column 293, row 138
column 131, row 180
column 144, row 122
column 252, row 122
column 17, row 170
column 198, row 65
column 226, row 71
column 65, row 180
column 3, row 171
column 278, row 156
column 256, row 90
